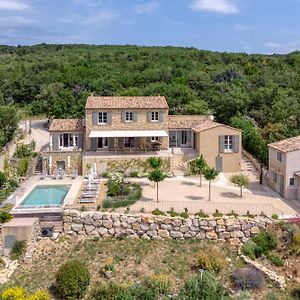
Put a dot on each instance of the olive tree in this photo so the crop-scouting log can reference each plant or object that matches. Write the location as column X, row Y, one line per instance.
column 210, row 174
column 240, row 180
column 157, row 176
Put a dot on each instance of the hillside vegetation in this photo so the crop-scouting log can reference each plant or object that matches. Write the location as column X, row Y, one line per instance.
column 56, row 79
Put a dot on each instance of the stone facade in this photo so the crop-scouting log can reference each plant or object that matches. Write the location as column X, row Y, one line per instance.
column 234, row 230
column 72, row 160
column 117, row 124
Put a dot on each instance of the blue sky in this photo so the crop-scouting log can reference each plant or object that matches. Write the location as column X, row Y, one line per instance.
column 253, row 26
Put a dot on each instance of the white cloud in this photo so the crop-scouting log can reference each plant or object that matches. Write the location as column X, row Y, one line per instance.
column 13, row 5
column 218, row 6
column 14, row 21
column 101, row 17
column 283, row 47
column 146, row 8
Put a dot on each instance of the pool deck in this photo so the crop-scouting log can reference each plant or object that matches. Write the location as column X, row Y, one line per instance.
column 35, row 181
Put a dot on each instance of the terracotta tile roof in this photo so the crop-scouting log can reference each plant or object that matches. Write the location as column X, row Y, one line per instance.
column 297, row 173
column 185, row 121
column 126, row 102
column 66, row 125
column 287, row 145
column 206, row 125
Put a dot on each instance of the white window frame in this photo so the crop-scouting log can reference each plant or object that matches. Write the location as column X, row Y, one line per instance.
column 154, row 116
column 72, row 141
column 102, row 117
column 228, row 143
column 154, row 139
column 128, row 116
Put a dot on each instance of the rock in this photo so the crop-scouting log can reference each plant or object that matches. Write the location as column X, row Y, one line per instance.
column 97, row 216
column 183, row 229
column 176, row 234
column 200, row 235
column 212, row 223
column 190, row 234
column 89, row 228
column 224, row 235
column 136, row 226
column 211, row 235
column 163, row 233
column 98, row 223
column 234, row 241
column 254, row 230
column 147, row 219
column 131, row 220
column 153, row 226
column 166, row 226
column 233, row 228
column 220, row 229
column 177, row 222
column 77, row 227
column 107, row 223
column 144, row 227
column 102, row 231
column 74, row 213
column 152, row 233
column 237, row 234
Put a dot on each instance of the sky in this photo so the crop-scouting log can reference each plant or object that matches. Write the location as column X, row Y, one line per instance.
column 251, row 26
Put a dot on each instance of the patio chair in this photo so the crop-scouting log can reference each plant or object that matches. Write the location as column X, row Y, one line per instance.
column 74, row 174
column 61, row 174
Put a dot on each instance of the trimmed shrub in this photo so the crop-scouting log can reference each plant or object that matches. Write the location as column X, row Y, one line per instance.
column 275, row 260
column 275, row 216
column 5, row 216
column 247, row 279
column 72, row 280
column 172, row 212
column 158, row 212
column 217, row 214
column 202, row 287
column 210, row 259
column 17, row 250
column 185, row 214
column 202, row 214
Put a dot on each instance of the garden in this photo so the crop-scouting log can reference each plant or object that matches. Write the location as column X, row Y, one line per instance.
column 171, row 269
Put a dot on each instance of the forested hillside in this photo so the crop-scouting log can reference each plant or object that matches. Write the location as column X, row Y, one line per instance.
column 56, row 79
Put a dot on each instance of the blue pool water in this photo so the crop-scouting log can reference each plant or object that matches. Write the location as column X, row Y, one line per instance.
column 46, row 195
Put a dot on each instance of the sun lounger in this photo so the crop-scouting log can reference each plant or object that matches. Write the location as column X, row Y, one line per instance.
column 87, row 200
column 74, row 174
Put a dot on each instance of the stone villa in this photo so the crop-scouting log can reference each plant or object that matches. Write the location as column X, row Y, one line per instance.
column 125, row 131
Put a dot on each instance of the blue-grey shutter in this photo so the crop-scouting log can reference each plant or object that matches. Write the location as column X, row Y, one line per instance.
column 135, row 116
column 123, row 115
column 221, row 143
column 93, row 143
column 109, row 118
column 236, row 143
column 95, row 118
column 149, row 116
column 55, row 141
column 80, row 140
column 161, row 116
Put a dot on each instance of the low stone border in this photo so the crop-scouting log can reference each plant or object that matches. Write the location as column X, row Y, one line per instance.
column 279, row 280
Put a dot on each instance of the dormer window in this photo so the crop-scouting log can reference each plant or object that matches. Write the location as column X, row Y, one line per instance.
column 102, row 117
column 128, row 116
column 154, row 116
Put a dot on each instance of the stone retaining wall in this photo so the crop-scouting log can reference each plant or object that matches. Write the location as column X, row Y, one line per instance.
column 235, row 230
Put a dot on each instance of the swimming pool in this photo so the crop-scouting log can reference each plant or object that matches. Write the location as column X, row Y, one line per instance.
column 52, row 195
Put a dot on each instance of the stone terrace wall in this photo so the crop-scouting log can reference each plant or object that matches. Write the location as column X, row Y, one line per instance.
column 235, row 230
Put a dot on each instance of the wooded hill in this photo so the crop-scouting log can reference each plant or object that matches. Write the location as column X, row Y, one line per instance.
column 56, row 80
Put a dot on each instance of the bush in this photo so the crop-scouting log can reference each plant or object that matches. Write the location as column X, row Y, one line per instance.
column 275, row 217
column 5, row 216
column 172, row 212
column 184, row 214
column 275, row 260
column 134, row 174
column 203, row 287
column 210, row 259
column 217, row 214
column 266, row 241
column 247, row 279
column 17, row 250
column 23, row 166
column 232, row 213
column 18, row 293
column 111, row 291
column 72, row 280
column 25, row 150
column 135, row 193
column 161, row 283
column 249, row 249
column 295, row 243
column 296, row 293
column 202, row 214
column 2, row 179
column 158, row 212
